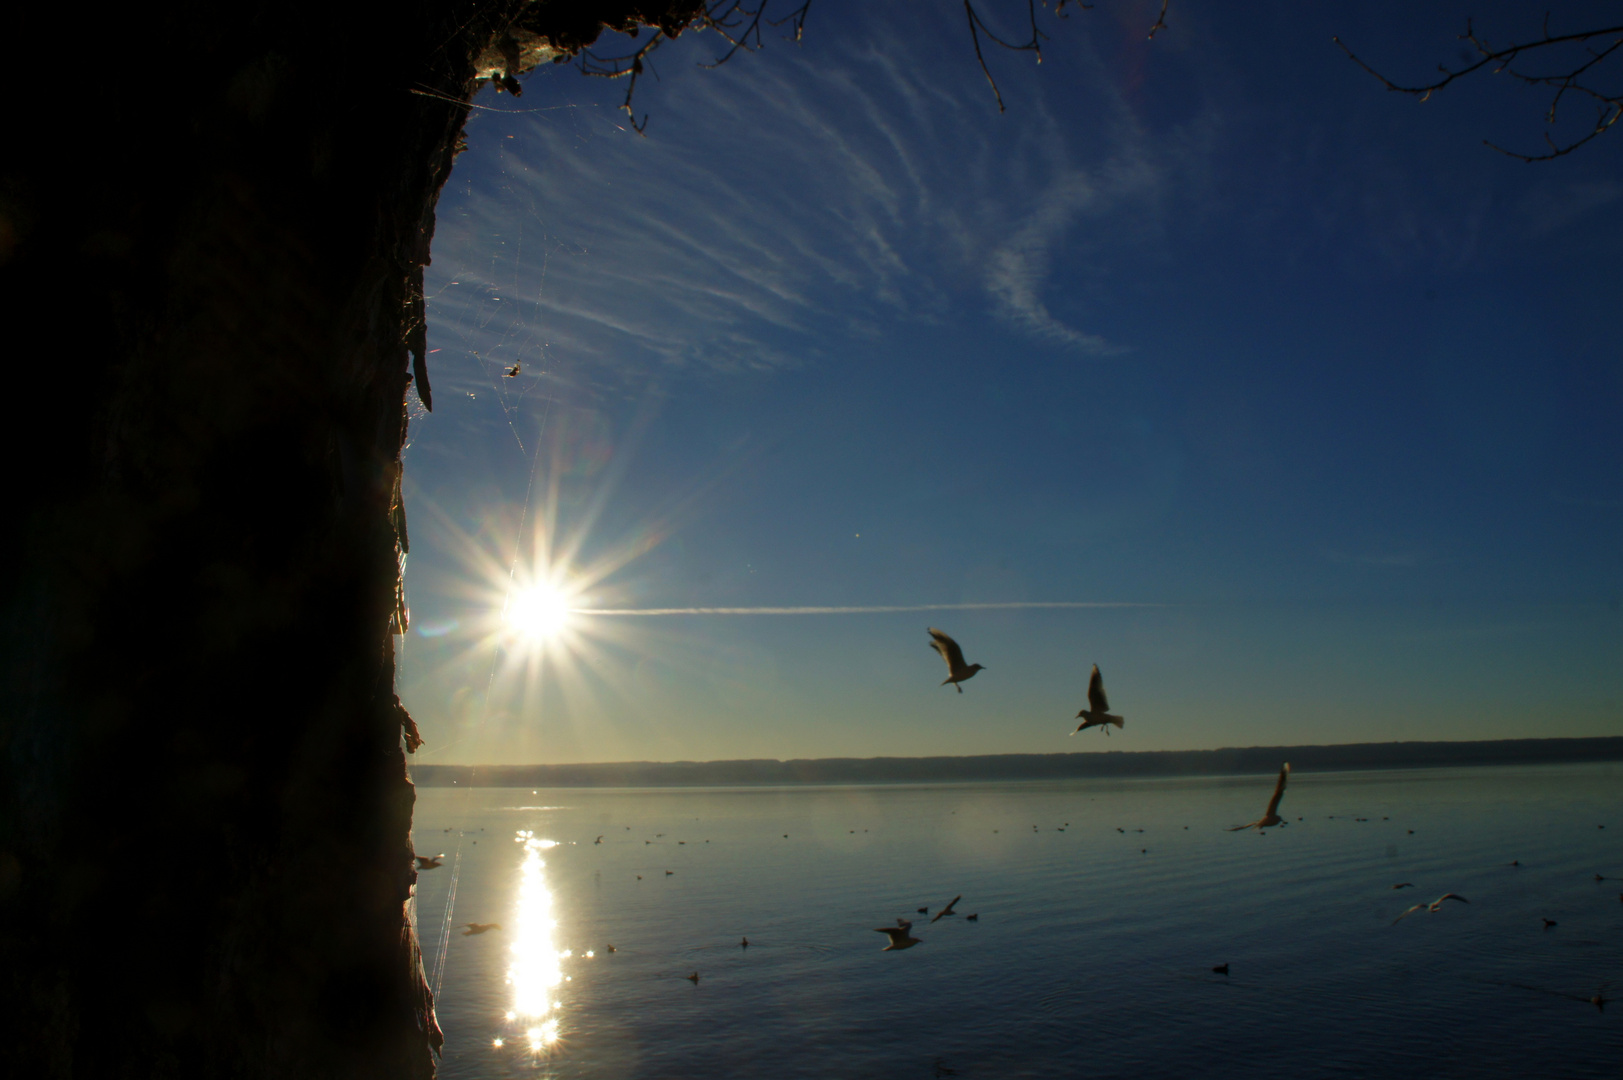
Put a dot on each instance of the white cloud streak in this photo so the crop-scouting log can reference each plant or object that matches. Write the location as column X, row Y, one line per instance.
column 880, row 610
column 876, row 188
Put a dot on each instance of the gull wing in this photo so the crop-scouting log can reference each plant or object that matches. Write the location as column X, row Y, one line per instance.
column 896, row 933
column 1406, row 914
column 1096, row 692
column 949, row 650
column 1279, row 789
column 1437, row 903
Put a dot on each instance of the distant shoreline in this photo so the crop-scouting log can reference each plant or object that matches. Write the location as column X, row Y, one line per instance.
column 1123, row 763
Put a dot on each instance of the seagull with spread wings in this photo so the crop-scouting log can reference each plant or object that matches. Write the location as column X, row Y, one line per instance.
column 480, row 928
column 957, row 670
column 901, row 935
column 1433, row 906
column 429, row 862
column 1271, row 818
column 944, row 912
column 1097, row 714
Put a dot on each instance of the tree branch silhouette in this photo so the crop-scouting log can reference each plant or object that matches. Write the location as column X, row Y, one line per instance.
column 736, row 21
column 739, row 23
column 1573, row 75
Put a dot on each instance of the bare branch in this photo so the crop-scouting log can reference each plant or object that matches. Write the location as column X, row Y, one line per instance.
column 796, row 19
column 1160, row 20
column 618, row 67
column 974, row 36
column 737, row 23
column 1609, row 106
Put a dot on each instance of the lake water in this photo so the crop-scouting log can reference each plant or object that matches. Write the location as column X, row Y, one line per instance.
column 1093, row 949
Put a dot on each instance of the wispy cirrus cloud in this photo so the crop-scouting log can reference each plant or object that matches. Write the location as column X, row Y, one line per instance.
column 871, row 185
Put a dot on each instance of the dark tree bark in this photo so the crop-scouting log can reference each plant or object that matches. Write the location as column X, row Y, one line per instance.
column 213, row 223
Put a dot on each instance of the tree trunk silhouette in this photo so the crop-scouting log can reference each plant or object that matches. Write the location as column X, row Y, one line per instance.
column 213, row 223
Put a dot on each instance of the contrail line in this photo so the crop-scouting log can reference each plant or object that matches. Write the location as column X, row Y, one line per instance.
column 885, row 610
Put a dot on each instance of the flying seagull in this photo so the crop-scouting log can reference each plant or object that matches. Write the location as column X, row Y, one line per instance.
column 1097, row 714
column 957, row 670
column 1271, row 818
column 480, row 927
column 428, row 862
column 1433, row 906
column 948, row 909
column 901, row 935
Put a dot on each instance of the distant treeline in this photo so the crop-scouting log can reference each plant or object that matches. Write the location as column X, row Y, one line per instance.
column 1249, row 759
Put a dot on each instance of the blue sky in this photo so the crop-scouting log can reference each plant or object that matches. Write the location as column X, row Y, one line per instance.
column 1323, row 390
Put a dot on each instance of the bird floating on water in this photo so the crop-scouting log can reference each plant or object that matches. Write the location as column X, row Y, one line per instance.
column 694, row 978
column 1097, row 714
column 1220, row 969
column 480, row 927
column 957, row 670
column 1433, row 906
column 1404, row 885
column 1271, row 818
column 901, row 935
column 1548, row 923
column 429, row 862
column 973, row 918
column 948, row 909
column 744, row 944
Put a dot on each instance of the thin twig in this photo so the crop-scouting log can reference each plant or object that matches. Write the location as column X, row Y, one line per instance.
column 1609, row 107
column 975, row 37
column 796, row 18
column 1160, row 20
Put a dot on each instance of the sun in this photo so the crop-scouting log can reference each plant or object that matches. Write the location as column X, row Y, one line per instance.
column 539, row 612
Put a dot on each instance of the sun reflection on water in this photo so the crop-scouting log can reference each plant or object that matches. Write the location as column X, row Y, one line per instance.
column 536, row 971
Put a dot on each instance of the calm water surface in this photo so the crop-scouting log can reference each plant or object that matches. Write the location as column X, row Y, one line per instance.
column 1093, row 952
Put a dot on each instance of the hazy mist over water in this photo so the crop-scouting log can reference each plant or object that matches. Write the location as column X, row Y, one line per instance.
column 1093, row 952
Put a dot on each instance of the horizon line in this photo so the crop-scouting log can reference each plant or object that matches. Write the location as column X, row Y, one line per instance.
column 1024, row 753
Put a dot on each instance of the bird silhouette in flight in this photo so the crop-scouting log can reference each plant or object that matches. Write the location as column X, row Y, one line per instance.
column 1097, row 714
column 957, row 670
column 944, row 912
column 480, row 928
column 901, row 935
column 1433, row 906
column 1271, row 818
column 429, row 862
column 512, row 372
